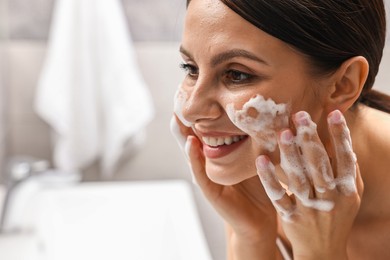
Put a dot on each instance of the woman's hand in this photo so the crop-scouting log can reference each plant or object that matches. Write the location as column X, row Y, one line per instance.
column 245, row 207
column 317, row 217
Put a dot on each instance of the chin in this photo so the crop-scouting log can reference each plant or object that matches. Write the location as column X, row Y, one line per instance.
column 228, row 176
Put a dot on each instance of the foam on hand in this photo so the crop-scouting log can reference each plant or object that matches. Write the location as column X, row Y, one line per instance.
column 311, row 130
column 291, row 164
column 180, row 100
column 347, row 182
column 184, row 144
column 266, row 171
column 261, row 119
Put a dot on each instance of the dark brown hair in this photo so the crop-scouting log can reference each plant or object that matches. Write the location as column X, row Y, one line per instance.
column 328, row 32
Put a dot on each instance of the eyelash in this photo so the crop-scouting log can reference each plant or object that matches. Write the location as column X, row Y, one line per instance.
column 189, row 70
column 193, row 72
column 230, row 74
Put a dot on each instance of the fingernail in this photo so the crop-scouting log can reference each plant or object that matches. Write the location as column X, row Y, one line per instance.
column 175, row 130
column 286, row 137
column 302, row 118
column 262, row 163
column 187, row 148
column 336, row 117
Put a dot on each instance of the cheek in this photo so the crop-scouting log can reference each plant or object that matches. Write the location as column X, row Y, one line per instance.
column 261, row 119
column 180, row 100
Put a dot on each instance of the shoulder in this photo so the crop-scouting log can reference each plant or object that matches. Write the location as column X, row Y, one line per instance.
column 372, row 143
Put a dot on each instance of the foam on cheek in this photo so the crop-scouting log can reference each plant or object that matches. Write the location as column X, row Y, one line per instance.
column 180, row 100
column 260, row 119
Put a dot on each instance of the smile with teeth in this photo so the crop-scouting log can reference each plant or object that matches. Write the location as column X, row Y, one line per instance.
column 218, row 141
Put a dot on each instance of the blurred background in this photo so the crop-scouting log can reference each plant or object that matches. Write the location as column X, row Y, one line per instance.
column 155, row 28
column 27, row 41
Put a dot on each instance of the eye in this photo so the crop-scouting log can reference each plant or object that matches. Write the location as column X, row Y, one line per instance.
column 190, row 70
column 236, row 76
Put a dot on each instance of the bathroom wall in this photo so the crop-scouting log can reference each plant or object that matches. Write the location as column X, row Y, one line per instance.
column 3, row 46
column 149, row 20
column 28, row 26
column 156, row 29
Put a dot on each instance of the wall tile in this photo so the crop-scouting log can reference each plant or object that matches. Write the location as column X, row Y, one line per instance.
column 29, row 19
column 148, row 20
column 151, row 20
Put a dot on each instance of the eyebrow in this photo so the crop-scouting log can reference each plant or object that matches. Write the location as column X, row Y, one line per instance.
column 228, row 55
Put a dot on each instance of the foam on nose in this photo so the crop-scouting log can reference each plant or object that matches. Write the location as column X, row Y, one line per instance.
column 261, row 119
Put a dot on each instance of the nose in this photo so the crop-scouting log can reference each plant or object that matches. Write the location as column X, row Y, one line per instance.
column 202, row 102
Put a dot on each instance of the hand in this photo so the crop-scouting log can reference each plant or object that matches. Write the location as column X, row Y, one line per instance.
column 317, row 217
column 245, row 207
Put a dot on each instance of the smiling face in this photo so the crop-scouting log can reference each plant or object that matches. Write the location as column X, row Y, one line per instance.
column 240, row 79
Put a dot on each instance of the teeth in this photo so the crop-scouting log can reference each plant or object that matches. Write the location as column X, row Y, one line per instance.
column 217, row 141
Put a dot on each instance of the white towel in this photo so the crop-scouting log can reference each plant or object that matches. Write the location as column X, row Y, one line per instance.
column 91, row 91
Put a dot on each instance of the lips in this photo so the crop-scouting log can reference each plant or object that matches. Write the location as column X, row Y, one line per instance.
column 217, row 147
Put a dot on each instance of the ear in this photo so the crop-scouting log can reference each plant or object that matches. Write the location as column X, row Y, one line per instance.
column 348, row 81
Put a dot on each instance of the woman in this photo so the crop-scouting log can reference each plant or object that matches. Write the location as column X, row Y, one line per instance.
column 281, row 90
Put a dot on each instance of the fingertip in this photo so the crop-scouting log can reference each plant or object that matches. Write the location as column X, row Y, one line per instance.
column 187, row 146
column 264, row 164
column 192, row 143
column 336, row 117
column 286, row 137
column 302, row 118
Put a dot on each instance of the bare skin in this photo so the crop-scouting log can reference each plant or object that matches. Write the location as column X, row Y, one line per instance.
column 359, row 220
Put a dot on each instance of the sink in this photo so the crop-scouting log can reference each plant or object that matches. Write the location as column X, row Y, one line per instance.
column 145, row 220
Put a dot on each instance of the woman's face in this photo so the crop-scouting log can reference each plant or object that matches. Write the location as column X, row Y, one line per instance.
column 240, row 89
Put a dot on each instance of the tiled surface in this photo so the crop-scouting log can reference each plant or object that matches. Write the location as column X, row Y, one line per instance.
column 29, row 19
column 149, row 20
column 28, row 134
column 2, row 111
column 159, row 157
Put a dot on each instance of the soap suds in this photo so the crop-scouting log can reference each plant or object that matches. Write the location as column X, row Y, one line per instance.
column 304, row 132
column 270, row 183
column 175, row 130
column 284, row 213
column 347, row 169
column 183, row 143
column 261, row 119
column 294, row 168
column 180, row 99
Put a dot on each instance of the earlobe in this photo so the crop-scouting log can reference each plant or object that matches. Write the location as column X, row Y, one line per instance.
column 349, row 82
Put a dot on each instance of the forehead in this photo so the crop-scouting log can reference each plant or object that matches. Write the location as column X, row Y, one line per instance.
column 207, row 10
column 212, row 16
column 211, row 27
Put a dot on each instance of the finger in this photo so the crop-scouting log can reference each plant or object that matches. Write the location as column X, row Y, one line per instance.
column 344, row 162
column 194, row 152
column 180, row 100
column 274, row 190
column 291, row 164
column 314, row 155
column 359, row 181
column 179, row 133
column 176, row 132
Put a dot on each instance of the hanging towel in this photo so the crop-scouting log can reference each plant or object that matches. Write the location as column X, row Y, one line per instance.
column 90, row 90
